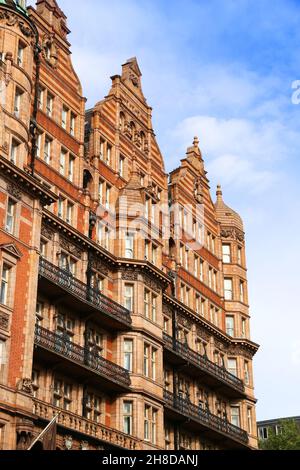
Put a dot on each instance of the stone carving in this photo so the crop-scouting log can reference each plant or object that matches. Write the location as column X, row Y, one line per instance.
column 70, row 247
column 14, row 20
column 233, row 233
column 198, row 192
column 201, row 333
column 4, row 321
column 238, row 350
column 98, row 265
column 26, row 386
column 49, row 50
column 47, row 232
column 14, row 191
column 151, row 283
column 185, row 322
column 167, row 310
column 129, row 275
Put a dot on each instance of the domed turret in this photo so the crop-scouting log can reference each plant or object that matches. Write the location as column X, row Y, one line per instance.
column 226, row 215
column 19, row 5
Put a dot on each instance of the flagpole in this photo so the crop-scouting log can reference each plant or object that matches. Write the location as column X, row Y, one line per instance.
column 44, row 432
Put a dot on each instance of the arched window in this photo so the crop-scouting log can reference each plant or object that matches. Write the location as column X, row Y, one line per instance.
column 132, row 129
column 143, row 140
column 122, row 122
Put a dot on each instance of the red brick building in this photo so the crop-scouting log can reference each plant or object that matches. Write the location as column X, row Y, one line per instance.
column 123, row 289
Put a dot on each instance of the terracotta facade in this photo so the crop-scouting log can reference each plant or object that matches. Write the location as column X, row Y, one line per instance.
column 124, row 298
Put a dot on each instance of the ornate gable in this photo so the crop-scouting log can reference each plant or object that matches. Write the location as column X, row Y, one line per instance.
column 11, row 249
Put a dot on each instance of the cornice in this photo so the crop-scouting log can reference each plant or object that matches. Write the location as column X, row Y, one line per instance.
column 26, row 182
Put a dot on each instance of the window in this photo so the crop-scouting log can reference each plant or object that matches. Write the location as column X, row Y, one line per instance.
column 153, row 307
column 67, row 263
column 101, row 192
column 167, row 438
column 242, row 295
column 263, row 433
column 228, row 293
column 62, row 162
column 107, row 197
column 38, row 145
column 226, row 251
column 232, row 366
column 235, row 416
column 154, row 254
column 2, row 357
column 249, row 420
column 10, row 216
column 239, row 257
column 40, row 98
column 150, row 424
column 153, row 363
column 60, row 208
column 72, row 124
column 35, row 382
column 243, row 328
column 14, row 151
column 92, row 407
column 69, row 215
column 39, row 311
column 147, row 296
column 20, row 57
column 17, row 103
column 246, row 373
column 201, row 270
column 47, row 150
column 166, row 324
column 230, row 325
column 97, row 282
column 129, row 243
column 102, row 144
column 211, row 242
column 128, row 354
column 212, row 279
column 127, row 417
column 62, row 394
column 121, row 166
column 64, row 117
column 49, row 104
column 71, row 168
column 146, row 359
column 108, row 154
column 129, row 297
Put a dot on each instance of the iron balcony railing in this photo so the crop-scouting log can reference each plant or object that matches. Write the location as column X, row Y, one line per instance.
column 60, row 344
column 68, row 282
column 204, row 417
column 203, row 363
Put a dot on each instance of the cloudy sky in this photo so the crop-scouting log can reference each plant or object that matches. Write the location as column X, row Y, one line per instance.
column 222, row 70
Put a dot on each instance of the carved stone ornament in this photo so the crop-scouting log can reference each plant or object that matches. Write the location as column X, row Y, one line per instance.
column 185, row 322
column 99, row 266
column 201, row 333
column 49, row 50
column 198, row 192
column 129, row 275
column 25, row 385
column 47, row 232
column 240, row 351
column 14, row 191
column 233, row 233
column 167, row 310
column 70, row 247
column 11, row 19
column 152, row 284
column 4, row 321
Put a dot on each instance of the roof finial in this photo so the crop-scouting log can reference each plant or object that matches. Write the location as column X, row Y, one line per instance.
column 196, row 142
column 219, row 192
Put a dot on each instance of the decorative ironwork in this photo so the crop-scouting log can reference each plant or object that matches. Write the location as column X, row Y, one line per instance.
column 60, row 344
column 68, row 282
column 204, row 417
column 203, row 363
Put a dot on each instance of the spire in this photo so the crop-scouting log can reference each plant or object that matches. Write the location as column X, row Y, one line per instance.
column 219, row 193
column 131, row 76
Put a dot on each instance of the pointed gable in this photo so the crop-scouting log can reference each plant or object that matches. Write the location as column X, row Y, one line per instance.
column 11, row 249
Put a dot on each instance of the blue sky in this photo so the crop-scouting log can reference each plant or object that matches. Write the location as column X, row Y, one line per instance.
column 222, row 70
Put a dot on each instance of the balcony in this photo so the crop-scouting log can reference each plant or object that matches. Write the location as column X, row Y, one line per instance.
column 81, row 362
column 215, row 427
column 212, row 374
column 76, row 424
column 61, row 285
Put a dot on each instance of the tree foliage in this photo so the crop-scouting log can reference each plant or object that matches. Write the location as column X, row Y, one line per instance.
column 287, row 439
